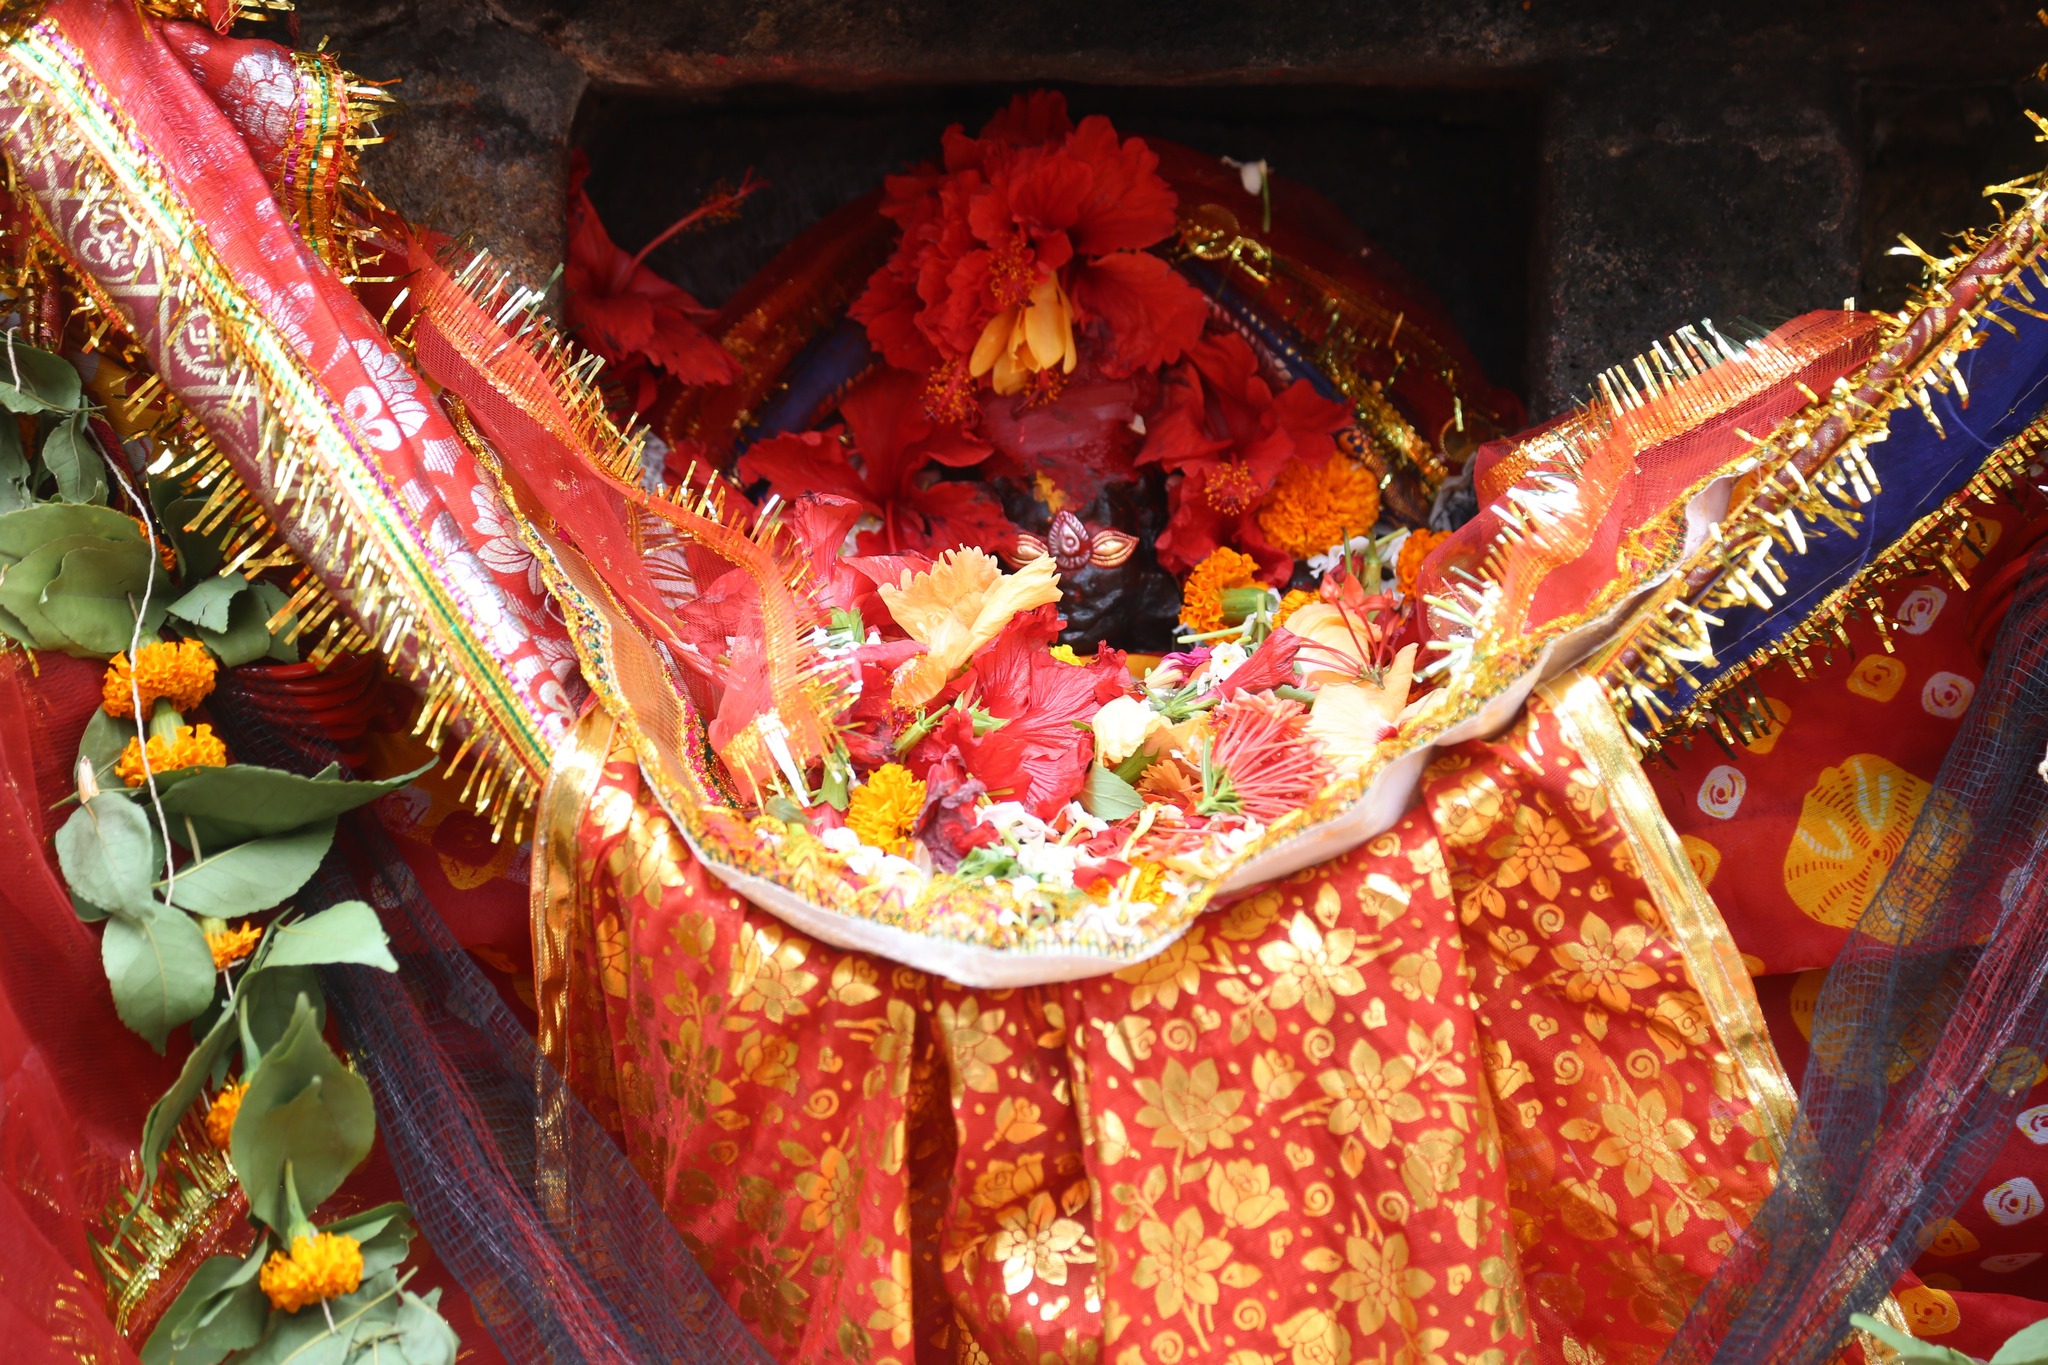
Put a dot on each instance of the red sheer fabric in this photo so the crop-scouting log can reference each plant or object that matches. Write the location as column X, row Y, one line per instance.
column 74, row 1081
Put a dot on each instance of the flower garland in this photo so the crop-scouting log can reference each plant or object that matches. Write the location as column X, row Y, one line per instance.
column 169, row 842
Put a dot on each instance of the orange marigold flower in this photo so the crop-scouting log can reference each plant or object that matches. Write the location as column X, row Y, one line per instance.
column 1314, row 507
column 1144, row 882
column 323, row 1266
column 220, row 1115
column 1415, row 549
column 882, row 809
column 1168, row 783
column 195, row 746
column 1293, row 602
column 166, row 554
column 232, row 945
column 1201, row 597
column 180, row 672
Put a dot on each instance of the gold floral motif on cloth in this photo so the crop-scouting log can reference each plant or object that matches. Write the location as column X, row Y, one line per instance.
column 1454, row 1097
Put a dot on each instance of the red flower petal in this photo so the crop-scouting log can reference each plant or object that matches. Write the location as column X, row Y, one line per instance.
column 796, row 463
column 1039, row 756
column 1129, row 206
column 626, row 312
column 1147, row 315
column 948, row 825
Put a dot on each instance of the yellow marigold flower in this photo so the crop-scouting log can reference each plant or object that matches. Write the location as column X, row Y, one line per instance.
column 194, row 747
column 232, row 945
column 1293, row 602
column 882, row 810
column 1201, row 597
column 1310, row 508
column 180, row 672
column 1415, row 549
column 220, row 1115
column 323, row 1266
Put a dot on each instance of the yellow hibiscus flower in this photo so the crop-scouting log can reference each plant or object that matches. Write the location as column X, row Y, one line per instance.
column 954, row 608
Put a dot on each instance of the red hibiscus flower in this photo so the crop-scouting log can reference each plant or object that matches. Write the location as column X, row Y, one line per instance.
column 895, row 445
column 1027, row 247
column 1038, row 756
column 1220, row 426
column 948, row 825
column 635, row 319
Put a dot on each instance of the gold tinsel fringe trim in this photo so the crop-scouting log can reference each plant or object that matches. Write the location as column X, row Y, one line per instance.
column 194, row 1199
column 1741, row 562
column 333, row 515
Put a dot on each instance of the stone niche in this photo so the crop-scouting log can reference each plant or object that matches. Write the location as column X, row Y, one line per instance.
column 1573, row 177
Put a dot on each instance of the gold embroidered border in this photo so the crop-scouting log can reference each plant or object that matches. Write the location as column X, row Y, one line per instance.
column 1581, row 704
column 556, row 888
column 337, row 502
column 186, row 1214
column 1588, row 714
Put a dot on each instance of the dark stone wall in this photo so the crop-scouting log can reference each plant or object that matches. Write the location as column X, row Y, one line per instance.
column 1574, row 178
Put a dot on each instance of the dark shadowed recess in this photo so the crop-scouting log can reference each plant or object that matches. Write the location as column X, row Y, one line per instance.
column 1444, row 181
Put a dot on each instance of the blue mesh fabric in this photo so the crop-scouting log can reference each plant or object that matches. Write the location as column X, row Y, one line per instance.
column 1928, row 1034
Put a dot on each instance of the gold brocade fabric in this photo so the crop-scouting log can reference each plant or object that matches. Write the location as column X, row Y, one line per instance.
column 1455, row 1097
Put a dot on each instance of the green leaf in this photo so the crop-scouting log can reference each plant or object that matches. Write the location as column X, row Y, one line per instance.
column 269, row 999
column 160, row 969
column 200, row 556
column 104, row 739
column 2028, row 1346
column 22, row 584
column 207, row 604
column 25, row 529
column 86, row 910
column 11, row 626
column 1133, row 768
column 74, row 461
column 1108, row 797
column 382, row 1323
column 33, row 380
column 14, row 472
column 273, row 598
column 169, row 1111
column 230, row 804
column 303, row 1338
column 990, row 860
column 245, row 878
column 303, row 1107
column 93, row 599
column 221, row 1309
column 345, row 932
column 107, row 857
column 1910, row 1349
column 247, row 637
column 423, row 1334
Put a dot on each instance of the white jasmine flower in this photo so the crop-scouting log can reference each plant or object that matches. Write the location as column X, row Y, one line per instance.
column 1121, row 728
column 1332, row 557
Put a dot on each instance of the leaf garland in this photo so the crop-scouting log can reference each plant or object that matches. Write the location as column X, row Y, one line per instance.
column 164, row 867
